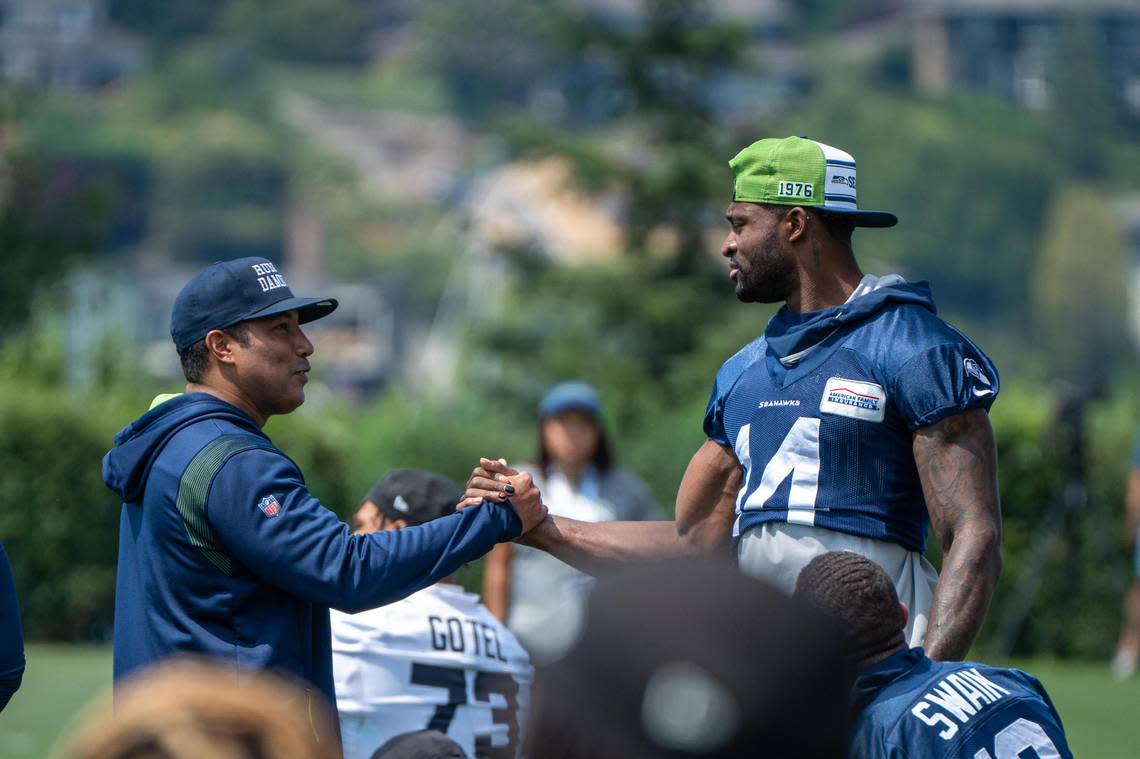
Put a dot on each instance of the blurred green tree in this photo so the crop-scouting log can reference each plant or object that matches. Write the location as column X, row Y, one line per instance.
column 1083, row 115
column 222, row 191
column 489, row 54
column 58, row 522
column 970, row 179
column 210, row 75
column 168, row 23
column 51, row 214
column 663, row 77
column 1080, row 298
column 309, row 31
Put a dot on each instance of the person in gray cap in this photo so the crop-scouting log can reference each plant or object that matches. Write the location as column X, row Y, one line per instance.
column 222, row 549
column 579, row 479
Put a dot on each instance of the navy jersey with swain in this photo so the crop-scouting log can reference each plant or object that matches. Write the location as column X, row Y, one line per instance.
column 910, row 706
column 826, row 440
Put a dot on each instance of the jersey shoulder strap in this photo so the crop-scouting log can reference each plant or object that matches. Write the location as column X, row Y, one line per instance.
column 194, row 487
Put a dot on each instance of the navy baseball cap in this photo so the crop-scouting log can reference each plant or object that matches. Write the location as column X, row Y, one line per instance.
column 414, row 495
column 225, row 293
column 574, row 395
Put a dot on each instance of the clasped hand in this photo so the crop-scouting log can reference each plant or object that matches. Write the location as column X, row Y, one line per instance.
column 493, row 480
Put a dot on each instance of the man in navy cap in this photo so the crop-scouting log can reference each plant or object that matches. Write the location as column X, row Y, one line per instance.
column 222, row 549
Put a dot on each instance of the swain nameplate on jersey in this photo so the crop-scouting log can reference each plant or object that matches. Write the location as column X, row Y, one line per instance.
column 858, row 400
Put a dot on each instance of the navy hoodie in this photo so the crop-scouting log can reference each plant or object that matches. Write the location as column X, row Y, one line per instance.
column 244, row 565
column 11, row 634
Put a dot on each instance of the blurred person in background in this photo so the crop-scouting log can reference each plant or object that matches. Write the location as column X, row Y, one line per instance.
column 11, row 634
column 1127, row 655
column 222, row 549
column 906, row 705
column 856, row 421
column 436, row 660
column 576, row 473
column 691, row 658
column 189, row 708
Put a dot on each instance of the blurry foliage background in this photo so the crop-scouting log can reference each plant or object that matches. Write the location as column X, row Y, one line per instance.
column 1003, row 209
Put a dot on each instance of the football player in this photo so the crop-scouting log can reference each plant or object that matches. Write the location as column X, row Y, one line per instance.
column 856, row 418
column 437, row 660
column 904, row 703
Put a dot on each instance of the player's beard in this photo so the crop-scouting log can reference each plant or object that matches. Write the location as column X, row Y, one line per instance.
column 768, row 276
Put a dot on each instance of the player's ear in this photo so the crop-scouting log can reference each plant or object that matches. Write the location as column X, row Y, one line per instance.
column 796, row 220
column 220, row 345
column 904, row 613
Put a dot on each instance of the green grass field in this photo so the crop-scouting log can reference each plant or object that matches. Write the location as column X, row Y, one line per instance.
column 58, row 681
column 1100, row 715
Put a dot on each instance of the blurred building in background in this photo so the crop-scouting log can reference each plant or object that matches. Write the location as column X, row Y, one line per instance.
column 1014, row 49
column 64, row 43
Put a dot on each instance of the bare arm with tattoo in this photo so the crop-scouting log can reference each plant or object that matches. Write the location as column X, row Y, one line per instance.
column 706, row 503
column 957, row 464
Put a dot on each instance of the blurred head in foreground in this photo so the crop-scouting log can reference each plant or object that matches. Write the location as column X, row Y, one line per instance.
column 691, row 658
column 425, row 744
column 192, row 709
column 861, row 600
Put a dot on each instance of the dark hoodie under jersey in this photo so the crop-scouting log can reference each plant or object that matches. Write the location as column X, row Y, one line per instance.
column 223, row 551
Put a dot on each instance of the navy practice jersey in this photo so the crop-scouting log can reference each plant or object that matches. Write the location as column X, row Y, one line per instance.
column 827, row 441
column 911, row 706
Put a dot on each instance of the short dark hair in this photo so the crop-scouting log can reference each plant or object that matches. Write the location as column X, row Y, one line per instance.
column 839, row 227
column 195, row 358
column 859, row 596
column 422, row 743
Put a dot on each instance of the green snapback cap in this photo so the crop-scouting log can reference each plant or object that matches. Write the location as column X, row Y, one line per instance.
column 796, row 171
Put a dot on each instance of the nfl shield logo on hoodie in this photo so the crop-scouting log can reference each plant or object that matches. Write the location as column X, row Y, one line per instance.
column 269, row 506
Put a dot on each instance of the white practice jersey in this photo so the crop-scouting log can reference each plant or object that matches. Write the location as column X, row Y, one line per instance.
column 438, row 659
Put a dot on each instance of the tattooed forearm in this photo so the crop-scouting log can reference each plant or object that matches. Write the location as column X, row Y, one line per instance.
column 957, row 464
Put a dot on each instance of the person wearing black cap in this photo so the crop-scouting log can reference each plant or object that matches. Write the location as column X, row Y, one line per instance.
column 579, row 479
column 222, row 549
column 437, row 659
column 858, row 419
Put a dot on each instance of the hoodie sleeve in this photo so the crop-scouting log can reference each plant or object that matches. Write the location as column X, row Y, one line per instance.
column 262, row 515
column 11, row 634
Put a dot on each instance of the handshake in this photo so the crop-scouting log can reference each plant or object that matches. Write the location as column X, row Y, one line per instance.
column 493, row 480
